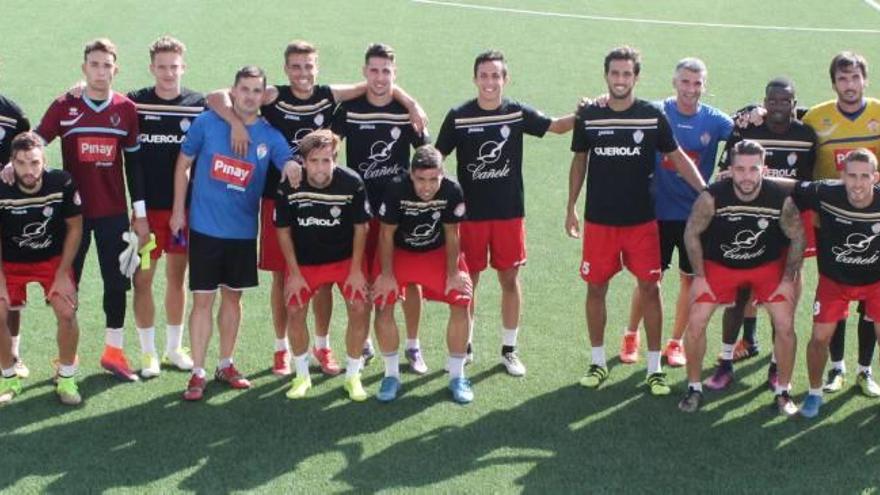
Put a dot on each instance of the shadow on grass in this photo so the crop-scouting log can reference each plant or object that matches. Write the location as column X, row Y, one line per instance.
column 572, row 439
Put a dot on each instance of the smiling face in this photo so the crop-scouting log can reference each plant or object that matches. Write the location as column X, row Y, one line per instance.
column 688, row 86
column 859, row 178
column 380, row 74
column 621, row 79
column 302, row 72
column 490, row 79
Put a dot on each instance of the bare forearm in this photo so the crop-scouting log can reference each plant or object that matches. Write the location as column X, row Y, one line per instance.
column 221, row 103
column 72, row 239
column 453, row 248
column 791, row 225
column 359, row 244
column 285, row 243
column 181, row 181
column 688, row 171
column 576, row 175
column 562, row 125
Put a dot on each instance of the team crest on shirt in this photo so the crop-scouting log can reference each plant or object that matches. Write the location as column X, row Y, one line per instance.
column 335, row 211
column 875, row 228
column 76, row 200
column 505, row 131
column 435, row 215
column 115, row 120
column 395, row 133
column 262, row 150
column 791, row 159
column 184, row 125
column 72, row 111
column 459, row 210
column 2, row 133
column 382, row 209
column 47, row 211
column 763, row 223
column 638, row 136
column 705, row 138
column 319, row 119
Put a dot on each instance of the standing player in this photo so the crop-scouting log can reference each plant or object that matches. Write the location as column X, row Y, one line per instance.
column 487, row 135
column 698, row 128
column 848, row 215
column 744, row 233
column 378, row 137
column 97, row 130
column 223, row 220
column 12, row 122
column 40, row 230
column 322, row 230
column 621, row 142
column 419, row 245
column 842, row 125
column 165, row 112
column 296, row 110
column 790, row 153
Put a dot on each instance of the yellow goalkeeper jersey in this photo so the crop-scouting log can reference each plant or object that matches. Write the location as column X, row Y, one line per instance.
column 838, row 134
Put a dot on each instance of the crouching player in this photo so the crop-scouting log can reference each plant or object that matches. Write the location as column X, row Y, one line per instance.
column 750, row 234
column 41, row 229
column 419, row 245
column 322, row 231
column 848, row 250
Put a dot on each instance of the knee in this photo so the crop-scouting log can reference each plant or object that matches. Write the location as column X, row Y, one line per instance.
column 596, row 291
column 649, row 289
column 509, row 280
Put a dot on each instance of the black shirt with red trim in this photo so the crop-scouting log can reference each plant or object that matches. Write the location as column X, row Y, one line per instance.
column 33, row 225
column 419, row 222
column 488, row 148
column 621, row 149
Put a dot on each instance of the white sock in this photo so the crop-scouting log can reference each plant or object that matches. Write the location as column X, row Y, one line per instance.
column 281, row 345
column 471, row 324
column 865, row 369
column 816, row 391
column 455, row 364
column 224, row 363
column 392, row 364
column 323, row 342
column 199, row 372
column 114, row 337
column 16, row 341
column 147, row 337
column 782, row 388
column 654, row 362
column 353, row 366
column 301, row 363
column 368, row 344
column 173, row 337
column 773, row 357
column 66, row 370
column 630, row 331
column 413, row 344
column 727, row 352
column 508, row 336
column 839, row 365
column 598, row 354
column 698, row 386
column 8, row 373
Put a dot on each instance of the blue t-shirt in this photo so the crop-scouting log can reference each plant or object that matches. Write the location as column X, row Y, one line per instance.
column 226, row 188
column 698, row 136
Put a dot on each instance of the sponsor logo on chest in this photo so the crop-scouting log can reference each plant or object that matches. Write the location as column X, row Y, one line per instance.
column 840, row 155
column 101, row 151
column 612, row 151
column 235, row 173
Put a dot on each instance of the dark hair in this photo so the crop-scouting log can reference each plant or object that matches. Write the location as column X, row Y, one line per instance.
column 299, row 47
column 491, row 56
column 846, row 61
column 25, row 141
column 782, row 83
column 426, row 157
column 861, row 155
column 166, row 44
column 624, row 53
column 380, row 50
column 316, row 140
column 100, row 45
column 249, row 71
column 747, row 147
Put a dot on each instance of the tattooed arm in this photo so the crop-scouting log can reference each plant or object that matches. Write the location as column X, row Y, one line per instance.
column 697, row 223
column 791, row 225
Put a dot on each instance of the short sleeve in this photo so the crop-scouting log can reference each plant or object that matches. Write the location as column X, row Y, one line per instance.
column 195, row 136
column 806, row 195
column 132, row 127
column 283, row 209
column 360, row 203
column 665, row 140
column 535, row 123
column 339, row 117
column 447, row 138
column 455, row 208
column 71, row 202
column 579, row 140
column 50, row 125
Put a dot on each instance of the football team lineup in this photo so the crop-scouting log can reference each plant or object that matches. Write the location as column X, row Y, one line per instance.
column 185, row 246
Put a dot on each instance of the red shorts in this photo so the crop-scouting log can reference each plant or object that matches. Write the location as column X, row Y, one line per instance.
column 372, row 246
column 319, row 275
column 18, row 275
column 725, row 282
column 427, row 269
column 609, row 247
column 502, row 241
column 165, row 242
column 807, row 218
column 833, row 298
column 271, row 259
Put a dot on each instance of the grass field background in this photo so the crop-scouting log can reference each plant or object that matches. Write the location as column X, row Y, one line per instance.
column 542, row 433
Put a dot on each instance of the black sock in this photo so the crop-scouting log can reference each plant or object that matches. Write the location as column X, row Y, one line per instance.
column 867, row 341
column 726, row 364
column 835, row 348
column 772, row 368
column 470, row 349
column 507, row 348
column 749, row 324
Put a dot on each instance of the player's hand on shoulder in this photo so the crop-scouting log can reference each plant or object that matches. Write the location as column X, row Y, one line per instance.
column 270, row 95
column 239, row 138
column 77, row 89
column 418, row 118
column 292, row 173
column 749, row 116
column 7, row 174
